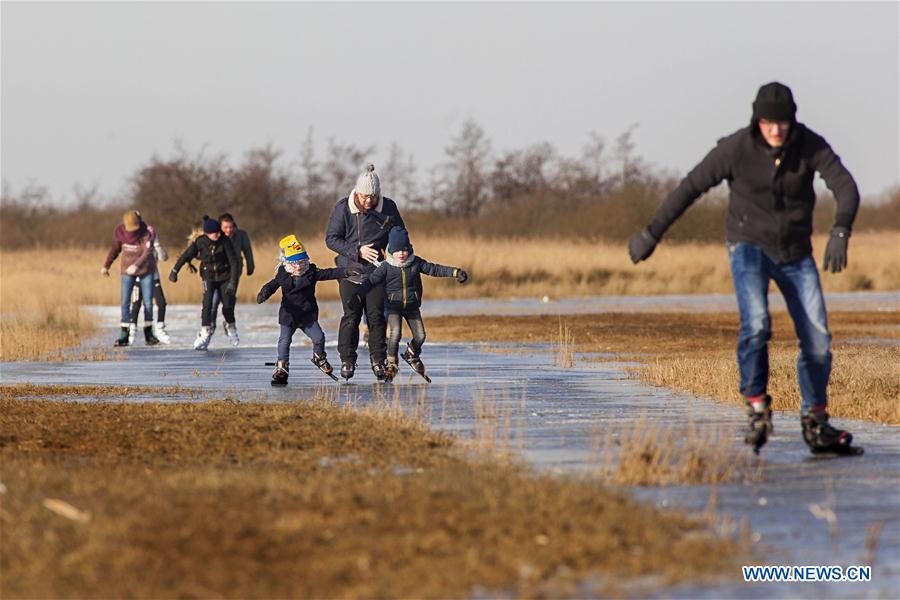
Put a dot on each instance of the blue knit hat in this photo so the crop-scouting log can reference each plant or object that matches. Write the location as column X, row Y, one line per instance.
column 210, row 225
column 398, row 239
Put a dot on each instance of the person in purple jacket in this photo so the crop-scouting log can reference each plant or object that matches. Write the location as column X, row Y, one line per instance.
column 134, row 241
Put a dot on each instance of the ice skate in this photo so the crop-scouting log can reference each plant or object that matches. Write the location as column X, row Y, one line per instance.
column 280, row 375
column 822, row 438
column 232, row 333
column 202, row 340
column 378, row 370
column 348, row 369
column 391, row 370
column 415, row 363
column 322, row 363
column 149, row 338
column 159, row 329
column 760, row 424
column 123, row 337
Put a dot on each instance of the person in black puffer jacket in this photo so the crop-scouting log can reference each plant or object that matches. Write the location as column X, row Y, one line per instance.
column 401, row 274
column 218, row 271
column 358, row 231
column 297, row 279
column 770, row 166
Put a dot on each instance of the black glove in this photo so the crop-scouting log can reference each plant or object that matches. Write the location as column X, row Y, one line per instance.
column 260, row 298
column 249, row 271
column 836, row 250
column 230, row 288
column 462, row 276
column 173, row 276
column 641, row 245
column 192, row 268
column 352, row 272
column 355, row 302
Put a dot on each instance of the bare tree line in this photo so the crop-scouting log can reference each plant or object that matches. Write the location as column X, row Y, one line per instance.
column 606, row 191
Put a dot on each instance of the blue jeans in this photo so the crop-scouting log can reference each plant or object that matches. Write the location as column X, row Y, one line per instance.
column 146, row 283
column 313, row 331
column 751, row 270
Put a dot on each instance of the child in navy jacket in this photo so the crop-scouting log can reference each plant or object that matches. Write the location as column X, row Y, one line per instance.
column 297, row 278
column 401, row 273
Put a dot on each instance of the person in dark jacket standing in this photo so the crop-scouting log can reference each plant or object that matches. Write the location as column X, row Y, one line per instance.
column 134, row 241
column 297, row 279
column 218, row 271
column 401, row 274
column 770, row 166
column 358, row 232
column 240, row 240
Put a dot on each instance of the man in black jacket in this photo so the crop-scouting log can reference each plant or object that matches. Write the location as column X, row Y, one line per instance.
column 770, row 166
column 358, row 232
column 218, row 271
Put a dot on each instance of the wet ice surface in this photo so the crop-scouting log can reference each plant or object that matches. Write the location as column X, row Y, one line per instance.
column 554, row 417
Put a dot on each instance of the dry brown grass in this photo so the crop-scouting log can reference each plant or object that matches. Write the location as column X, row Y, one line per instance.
column 565, row 346
column 498, row 268
column 696, row 353
column 645, row 454
column 223, row 499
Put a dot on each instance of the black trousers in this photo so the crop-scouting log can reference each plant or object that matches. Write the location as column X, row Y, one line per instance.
column 158, row 297
column 348, row 333
column 209, row 288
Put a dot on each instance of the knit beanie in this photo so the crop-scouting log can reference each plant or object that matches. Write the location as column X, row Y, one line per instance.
column 774, row 102
column 131, row 220
column 398, row 239
column 210, row 225
column 288, row 241
column 295, row 252
column 368, row 183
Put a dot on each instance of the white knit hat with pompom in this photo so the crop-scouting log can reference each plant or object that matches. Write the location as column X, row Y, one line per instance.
column 368, row 183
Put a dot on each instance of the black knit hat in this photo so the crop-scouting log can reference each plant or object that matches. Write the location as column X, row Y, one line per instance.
column 398, row 239
column 774, row 102
column 210, row 225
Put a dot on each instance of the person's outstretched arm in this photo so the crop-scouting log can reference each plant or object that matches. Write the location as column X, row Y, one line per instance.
column 266, row 291
column 711, row 171
column 436, row 270
column 189, row 254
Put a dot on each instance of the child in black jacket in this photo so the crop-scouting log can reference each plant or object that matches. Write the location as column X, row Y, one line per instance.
column 218, row 271
column 297, row 278
column 401, row 272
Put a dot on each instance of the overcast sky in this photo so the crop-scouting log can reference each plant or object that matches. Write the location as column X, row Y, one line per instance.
column 90, row 91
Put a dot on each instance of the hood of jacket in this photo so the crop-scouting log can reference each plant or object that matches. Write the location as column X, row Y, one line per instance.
column 396, row 263
column 130, row 237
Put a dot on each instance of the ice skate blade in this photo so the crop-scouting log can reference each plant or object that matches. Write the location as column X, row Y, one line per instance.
column 839, row 451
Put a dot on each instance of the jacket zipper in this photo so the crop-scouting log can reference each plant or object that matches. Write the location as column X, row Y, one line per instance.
column 403, row 281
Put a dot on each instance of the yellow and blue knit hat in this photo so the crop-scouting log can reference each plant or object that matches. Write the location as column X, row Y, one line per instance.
column 292, row 248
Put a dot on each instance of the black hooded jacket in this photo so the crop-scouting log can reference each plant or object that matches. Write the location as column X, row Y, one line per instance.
column 218, row 262
column 771, row 196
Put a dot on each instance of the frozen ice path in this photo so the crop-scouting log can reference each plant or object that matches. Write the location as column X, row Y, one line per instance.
column 553, row 416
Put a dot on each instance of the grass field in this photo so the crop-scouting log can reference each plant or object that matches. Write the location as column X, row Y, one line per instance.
column 227, row 499
column 37, row 323
column 696, row 353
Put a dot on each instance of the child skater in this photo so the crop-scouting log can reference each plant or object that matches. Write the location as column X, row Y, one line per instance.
column 401, row 272
column 218, row 271
column 297, row 278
